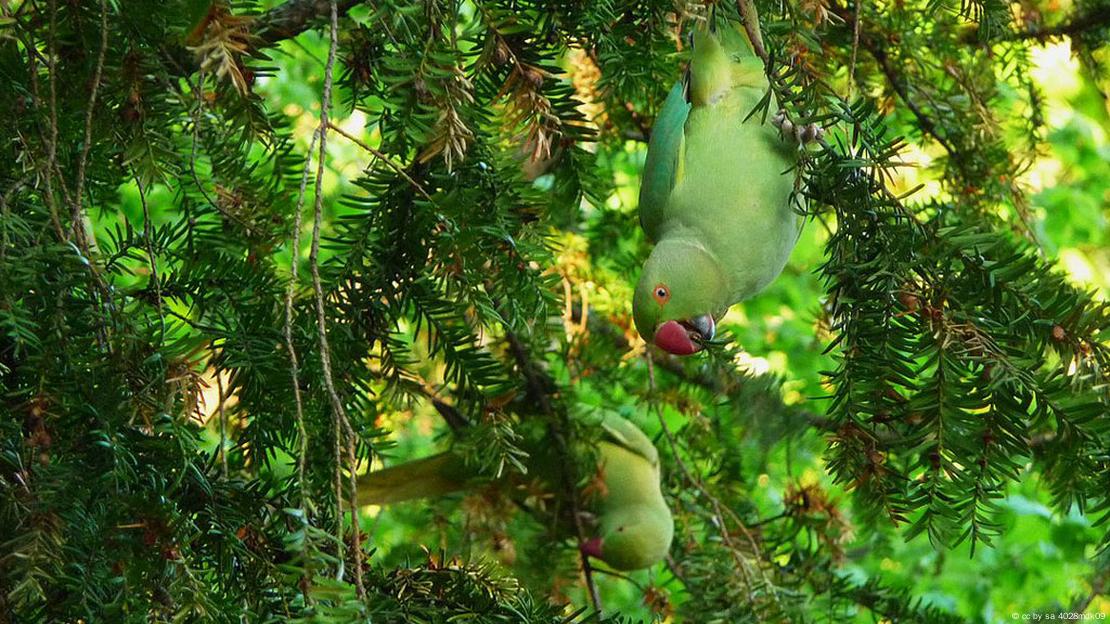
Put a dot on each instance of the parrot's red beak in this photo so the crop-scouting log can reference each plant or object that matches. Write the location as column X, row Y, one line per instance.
column 591, row 547
column 685, row 337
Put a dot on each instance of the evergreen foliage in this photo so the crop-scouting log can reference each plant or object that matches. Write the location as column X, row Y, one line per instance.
column 207, row 327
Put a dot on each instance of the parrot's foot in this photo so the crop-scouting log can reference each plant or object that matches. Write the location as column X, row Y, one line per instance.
column 802, row 133
column 587, row 519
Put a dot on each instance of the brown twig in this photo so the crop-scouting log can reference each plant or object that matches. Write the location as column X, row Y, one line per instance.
column 287, row 330
column 923, row 120
column 341, row 423
column 382, row 156
column 294, row 364
column 292, row 18
column 52, row 144
column 78, row 213
column 879, row 53
column 751, row 25
column 222, row 415
column 855, row 48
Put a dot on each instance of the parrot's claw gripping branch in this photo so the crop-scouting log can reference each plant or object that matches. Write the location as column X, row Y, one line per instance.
column 802, row 133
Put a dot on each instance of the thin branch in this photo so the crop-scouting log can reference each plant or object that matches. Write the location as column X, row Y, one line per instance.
column 624, row 577
column 751, row 25
column 879, row 53
column 855, row 48
column 341, row 423
column 719, row 510
column 80, row 235
column 294, row 364
column 715, row 384
column 280, row 23
column 196, row 90
column 52, row 144
column 220, row 398
column 381, row 155
column 923, row 120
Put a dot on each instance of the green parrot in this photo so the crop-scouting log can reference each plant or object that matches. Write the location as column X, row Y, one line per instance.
column 633, row 525
column 715, row 196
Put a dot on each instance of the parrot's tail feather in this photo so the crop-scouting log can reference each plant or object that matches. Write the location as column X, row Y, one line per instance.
column 429, row 477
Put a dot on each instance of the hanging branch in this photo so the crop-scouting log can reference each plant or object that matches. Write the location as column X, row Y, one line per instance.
column 292, row 18
column 341, row 424
column 52, row 144
column 78, row 214
column 278, row 24
column 220, row 399
column 291, row 349
column 892, row 77
column 294, row 365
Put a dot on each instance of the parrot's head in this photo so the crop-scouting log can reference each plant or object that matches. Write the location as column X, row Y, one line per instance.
column 638, row 537
column 681, row 291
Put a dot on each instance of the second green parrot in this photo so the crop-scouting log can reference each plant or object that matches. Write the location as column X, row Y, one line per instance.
column 633, row 526
column 715, row 196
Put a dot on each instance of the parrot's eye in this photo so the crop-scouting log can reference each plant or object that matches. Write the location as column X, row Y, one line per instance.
column 662, row 295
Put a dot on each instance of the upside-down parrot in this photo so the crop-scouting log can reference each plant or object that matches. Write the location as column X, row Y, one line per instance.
column 633, row 525
column 715, row 196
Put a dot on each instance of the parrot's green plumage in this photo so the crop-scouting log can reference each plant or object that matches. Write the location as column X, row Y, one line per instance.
column 715, row 196
column 634, row 525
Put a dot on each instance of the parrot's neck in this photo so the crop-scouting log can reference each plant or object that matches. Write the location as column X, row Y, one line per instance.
column 681, row 244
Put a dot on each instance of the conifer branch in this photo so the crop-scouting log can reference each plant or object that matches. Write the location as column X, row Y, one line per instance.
column 293, row 17
column 720, row 520
column 1079, row 24
column 538, row 393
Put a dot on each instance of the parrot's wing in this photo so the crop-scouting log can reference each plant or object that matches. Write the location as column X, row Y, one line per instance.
column 622, row 432
column 663, row 167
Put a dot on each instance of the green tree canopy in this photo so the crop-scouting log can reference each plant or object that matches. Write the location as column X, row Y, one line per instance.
column 251, row 249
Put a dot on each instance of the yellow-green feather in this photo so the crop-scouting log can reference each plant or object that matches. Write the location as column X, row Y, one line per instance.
column 731, row 205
